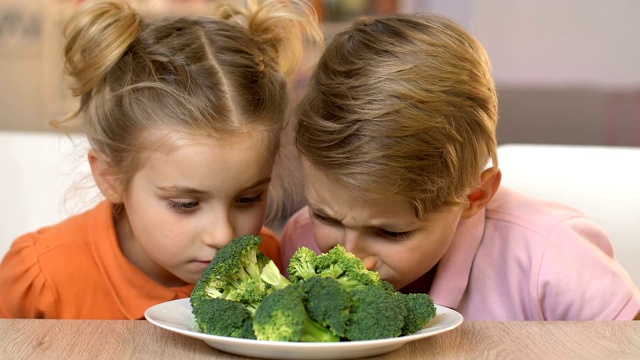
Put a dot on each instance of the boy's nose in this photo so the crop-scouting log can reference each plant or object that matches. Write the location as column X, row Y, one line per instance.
column 353, row 243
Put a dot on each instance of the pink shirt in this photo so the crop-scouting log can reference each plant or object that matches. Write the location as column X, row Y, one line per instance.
column 520, row 259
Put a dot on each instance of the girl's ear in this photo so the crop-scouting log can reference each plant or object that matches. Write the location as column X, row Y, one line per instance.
column 105, row 177
column 480, row 197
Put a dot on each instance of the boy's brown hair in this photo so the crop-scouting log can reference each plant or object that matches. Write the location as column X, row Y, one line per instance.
column 403, row 105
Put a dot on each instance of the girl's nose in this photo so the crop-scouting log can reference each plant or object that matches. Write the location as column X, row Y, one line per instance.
column 219, row 231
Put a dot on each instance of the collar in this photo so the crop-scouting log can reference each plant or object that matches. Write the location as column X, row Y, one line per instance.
column 454, row 269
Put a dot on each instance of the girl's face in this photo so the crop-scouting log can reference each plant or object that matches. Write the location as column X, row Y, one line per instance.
column 384, row 232
column 188, row 201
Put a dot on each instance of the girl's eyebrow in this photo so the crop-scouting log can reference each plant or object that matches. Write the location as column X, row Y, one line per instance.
column 194, row 191
column 258, row 183
column 181, row 190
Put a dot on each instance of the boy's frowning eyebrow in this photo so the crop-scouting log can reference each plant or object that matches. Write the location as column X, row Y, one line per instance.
column 193, row 191
column 400, row 226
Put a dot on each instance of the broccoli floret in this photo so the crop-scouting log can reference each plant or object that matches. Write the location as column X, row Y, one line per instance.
column 301, row 265
column 224, row 317
column 420, row 310
column 376, row 314
column 282, row 316
column 337, row 263
column 328, row 303
column 346, row 267
column 239, row 272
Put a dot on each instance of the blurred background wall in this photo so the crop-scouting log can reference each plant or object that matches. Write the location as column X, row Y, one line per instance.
column 568, row 71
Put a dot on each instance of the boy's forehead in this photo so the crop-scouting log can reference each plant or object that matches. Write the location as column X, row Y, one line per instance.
column 326, row 194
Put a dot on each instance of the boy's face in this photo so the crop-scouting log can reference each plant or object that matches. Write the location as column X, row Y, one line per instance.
column 384, row 232
column 187, row 202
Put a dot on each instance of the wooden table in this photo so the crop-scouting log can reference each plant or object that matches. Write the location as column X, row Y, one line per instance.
column 125, row 339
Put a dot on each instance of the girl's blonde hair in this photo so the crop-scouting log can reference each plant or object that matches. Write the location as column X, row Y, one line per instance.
column 403, row 105
column 195, row 75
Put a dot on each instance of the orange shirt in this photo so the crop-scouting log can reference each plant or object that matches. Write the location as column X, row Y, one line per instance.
column 76, row 270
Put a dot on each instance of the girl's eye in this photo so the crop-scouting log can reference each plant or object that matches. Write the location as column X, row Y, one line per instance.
column 183, row 206
column 250, row 200
column 394, row 235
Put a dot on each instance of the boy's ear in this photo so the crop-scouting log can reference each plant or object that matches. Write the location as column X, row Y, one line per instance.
column 105, row 177
column 480, row 197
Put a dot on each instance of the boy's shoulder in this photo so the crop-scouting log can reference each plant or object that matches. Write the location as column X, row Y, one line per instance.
column 513, row 210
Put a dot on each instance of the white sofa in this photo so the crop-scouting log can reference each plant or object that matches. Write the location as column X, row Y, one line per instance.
column 45, row 178
column 601, row 181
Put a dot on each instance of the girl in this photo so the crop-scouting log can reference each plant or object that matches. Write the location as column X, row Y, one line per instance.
column 183, row 115
column 396, row 130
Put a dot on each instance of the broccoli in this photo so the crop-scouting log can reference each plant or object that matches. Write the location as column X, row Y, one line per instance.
column 420, row 310
column 337, row 263
column 239, row 272
column 376, row 314
column 339, row 307
column 301, row 264
column 282, row 316
column 224, row 317
column 329, row 303
column 330, row 297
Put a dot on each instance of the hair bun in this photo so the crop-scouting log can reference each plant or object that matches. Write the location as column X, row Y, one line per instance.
column 97, row 35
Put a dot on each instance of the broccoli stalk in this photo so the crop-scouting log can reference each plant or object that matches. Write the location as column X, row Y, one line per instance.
column 271, row 275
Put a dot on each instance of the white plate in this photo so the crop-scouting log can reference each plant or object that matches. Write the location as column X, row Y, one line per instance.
column 176, row 316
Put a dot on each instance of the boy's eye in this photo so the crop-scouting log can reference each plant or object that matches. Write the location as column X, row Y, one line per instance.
column 394, row 235
column 183, row 206
column 318, row 216
column 324, row 219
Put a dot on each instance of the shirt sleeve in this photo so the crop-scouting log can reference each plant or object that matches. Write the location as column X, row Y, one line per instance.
column 25, row 292
column 580, row 278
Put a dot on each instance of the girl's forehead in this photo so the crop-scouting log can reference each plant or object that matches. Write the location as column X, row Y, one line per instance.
column 169, row 139
column 212, row 167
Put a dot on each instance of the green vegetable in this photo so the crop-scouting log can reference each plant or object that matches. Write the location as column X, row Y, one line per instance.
column 239, row 272
column 301, row 264
column 337, row 263
column 330, row 297
column 420, row 309
column 224, row 317
column 282, row 316
column 329, row 303
column 377, row 313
